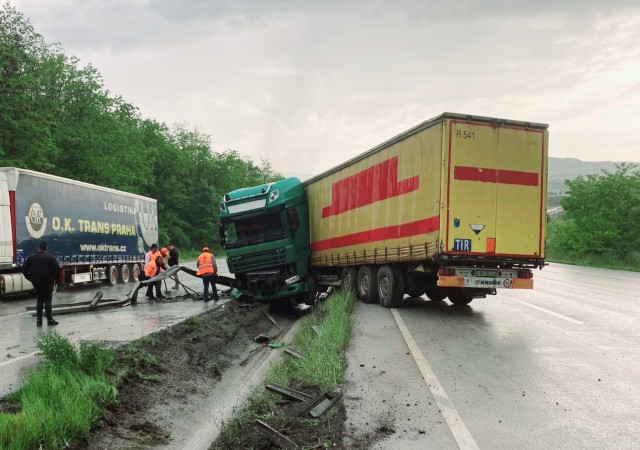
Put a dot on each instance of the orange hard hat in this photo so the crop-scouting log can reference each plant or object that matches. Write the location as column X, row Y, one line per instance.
column 205, row 249
column 164, row 251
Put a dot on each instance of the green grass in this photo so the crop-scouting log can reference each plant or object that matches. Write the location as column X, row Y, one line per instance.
column 322, row 368
column 60, row 401
column 630, row 261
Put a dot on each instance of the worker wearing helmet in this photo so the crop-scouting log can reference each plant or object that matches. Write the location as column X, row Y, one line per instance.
column 207, row 268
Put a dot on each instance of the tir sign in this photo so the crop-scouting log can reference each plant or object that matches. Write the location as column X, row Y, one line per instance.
column 462, row 245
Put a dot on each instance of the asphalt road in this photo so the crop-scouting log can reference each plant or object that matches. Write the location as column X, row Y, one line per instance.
column 554, row 367
column 18, row 331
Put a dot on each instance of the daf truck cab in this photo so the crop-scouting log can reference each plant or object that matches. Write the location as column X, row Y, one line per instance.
column 265, row 233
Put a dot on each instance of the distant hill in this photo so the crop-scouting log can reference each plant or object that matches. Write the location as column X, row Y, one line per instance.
column 561, row 169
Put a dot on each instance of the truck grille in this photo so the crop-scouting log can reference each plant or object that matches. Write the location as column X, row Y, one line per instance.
column 259, row 260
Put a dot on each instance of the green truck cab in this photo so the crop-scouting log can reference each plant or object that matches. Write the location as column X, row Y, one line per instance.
column 265, row 233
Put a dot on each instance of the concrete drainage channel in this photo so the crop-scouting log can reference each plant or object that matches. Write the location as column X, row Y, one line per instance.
column 201, row 426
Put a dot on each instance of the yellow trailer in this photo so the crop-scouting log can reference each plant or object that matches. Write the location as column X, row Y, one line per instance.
column 454, row 207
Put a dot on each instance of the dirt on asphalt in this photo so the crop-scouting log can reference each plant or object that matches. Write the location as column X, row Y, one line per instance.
column 167, row 369
column 174, row 367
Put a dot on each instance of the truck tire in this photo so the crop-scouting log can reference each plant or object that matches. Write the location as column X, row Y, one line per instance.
column 125, row 273
column 112, row 276
column 390, row 287
column 368, row 284
column 436, row 294
column 460, row 297
column 348, row 279
column 135, row 272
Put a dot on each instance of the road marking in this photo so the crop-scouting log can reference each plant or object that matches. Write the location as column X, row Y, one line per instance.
column 14, row 315
column 29, row 355
column 19, row 358
column 568, row 319
column 454, row 421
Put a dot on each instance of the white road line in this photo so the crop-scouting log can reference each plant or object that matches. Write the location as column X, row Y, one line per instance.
column 19, row 358
column 568, row 319
column 29, row 355
column 454, row 421
column 14, row 315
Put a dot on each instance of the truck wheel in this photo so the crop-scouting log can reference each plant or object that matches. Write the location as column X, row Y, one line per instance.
column 459, row 297
column 390, row 287
column 135, row 272
column 125, row 273
column 112, row 275
column 348, row 279
column 368, row 284
column 436, row 294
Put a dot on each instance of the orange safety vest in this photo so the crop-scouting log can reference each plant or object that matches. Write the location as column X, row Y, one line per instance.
column 151, row 268
column 206, row 265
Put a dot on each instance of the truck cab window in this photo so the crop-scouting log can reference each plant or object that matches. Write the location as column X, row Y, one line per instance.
column 254, row 230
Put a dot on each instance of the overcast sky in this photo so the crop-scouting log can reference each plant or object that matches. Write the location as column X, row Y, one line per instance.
column 309, row 84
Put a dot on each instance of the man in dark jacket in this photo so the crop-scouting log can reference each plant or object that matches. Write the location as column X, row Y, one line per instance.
column 43, row 270
column 173, row 261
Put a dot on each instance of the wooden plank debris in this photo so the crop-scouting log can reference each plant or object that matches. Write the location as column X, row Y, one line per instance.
column 275, row 436
column 289, row 393
column 329, row 399
column 271, row 319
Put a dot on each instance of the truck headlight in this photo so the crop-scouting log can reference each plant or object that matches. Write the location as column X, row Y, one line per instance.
column 273, row 196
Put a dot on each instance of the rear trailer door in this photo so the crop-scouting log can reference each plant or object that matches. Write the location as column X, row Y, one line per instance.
column 495, row 189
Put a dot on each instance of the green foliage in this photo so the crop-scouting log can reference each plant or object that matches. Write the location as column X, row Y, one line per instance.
column 601, row 219
column 58, row 117
column 322, row 368
column 62, row 400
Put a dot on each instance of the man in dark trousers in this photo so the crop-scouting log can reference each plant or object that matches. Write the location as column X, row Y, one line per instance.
column 43, row 270
column 207, row 268
column 173, row 261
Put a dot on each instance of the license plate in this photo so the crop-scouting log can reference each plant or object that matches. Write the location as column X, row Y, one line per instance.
column 487, row 273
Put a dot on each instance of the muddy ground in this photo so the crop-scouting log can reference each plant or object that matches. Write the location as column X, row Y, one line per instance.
column 172, row 368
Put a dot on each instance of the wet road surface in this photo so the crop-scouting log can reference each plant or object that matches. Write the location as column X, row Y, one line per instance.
column 555, row 367
column 18, row 330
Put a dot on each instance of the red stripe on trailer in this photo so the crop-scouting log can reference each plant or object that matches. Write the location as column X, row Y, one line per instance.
column 423, row 226
column 368, row 186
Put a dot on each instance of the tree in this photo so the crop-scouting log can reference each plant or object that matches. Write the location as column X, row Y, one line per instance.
column 602, row 214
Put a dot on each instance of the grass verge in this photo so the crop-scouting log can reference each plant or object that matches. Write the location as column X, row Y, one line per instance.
column 320, row 370
column 57, row 405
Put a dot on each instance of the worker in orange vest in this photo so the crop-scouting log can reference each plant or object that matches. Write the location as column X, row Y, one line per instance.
column 207, row 268
column 154, row 267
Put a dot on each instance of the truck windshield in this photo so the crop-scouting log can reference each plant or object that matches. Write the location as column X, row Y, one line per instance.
column 254, row 230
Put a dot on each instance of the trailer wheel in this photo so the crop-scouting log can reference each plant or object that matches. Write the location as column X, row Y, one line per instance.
column 135, row 272
column 348, row 279
column 436, row 294
column 112, row 275
column 460, row 297
column 390, row 287
column 368, row 284
column 125, row 273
